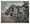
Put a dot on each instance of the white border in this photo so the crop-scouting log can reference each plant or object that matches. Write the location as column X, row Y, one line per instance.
column 0, row 12
column 29, row 12
column 14, row 0
column 0, row 0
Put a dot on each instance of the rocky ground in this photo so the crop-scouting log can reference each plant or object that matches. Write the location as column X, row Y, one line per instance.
column 7, row 19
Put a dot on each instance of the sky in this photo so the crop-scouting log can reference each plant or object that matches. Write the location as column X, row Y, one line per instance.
column 5, row 4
